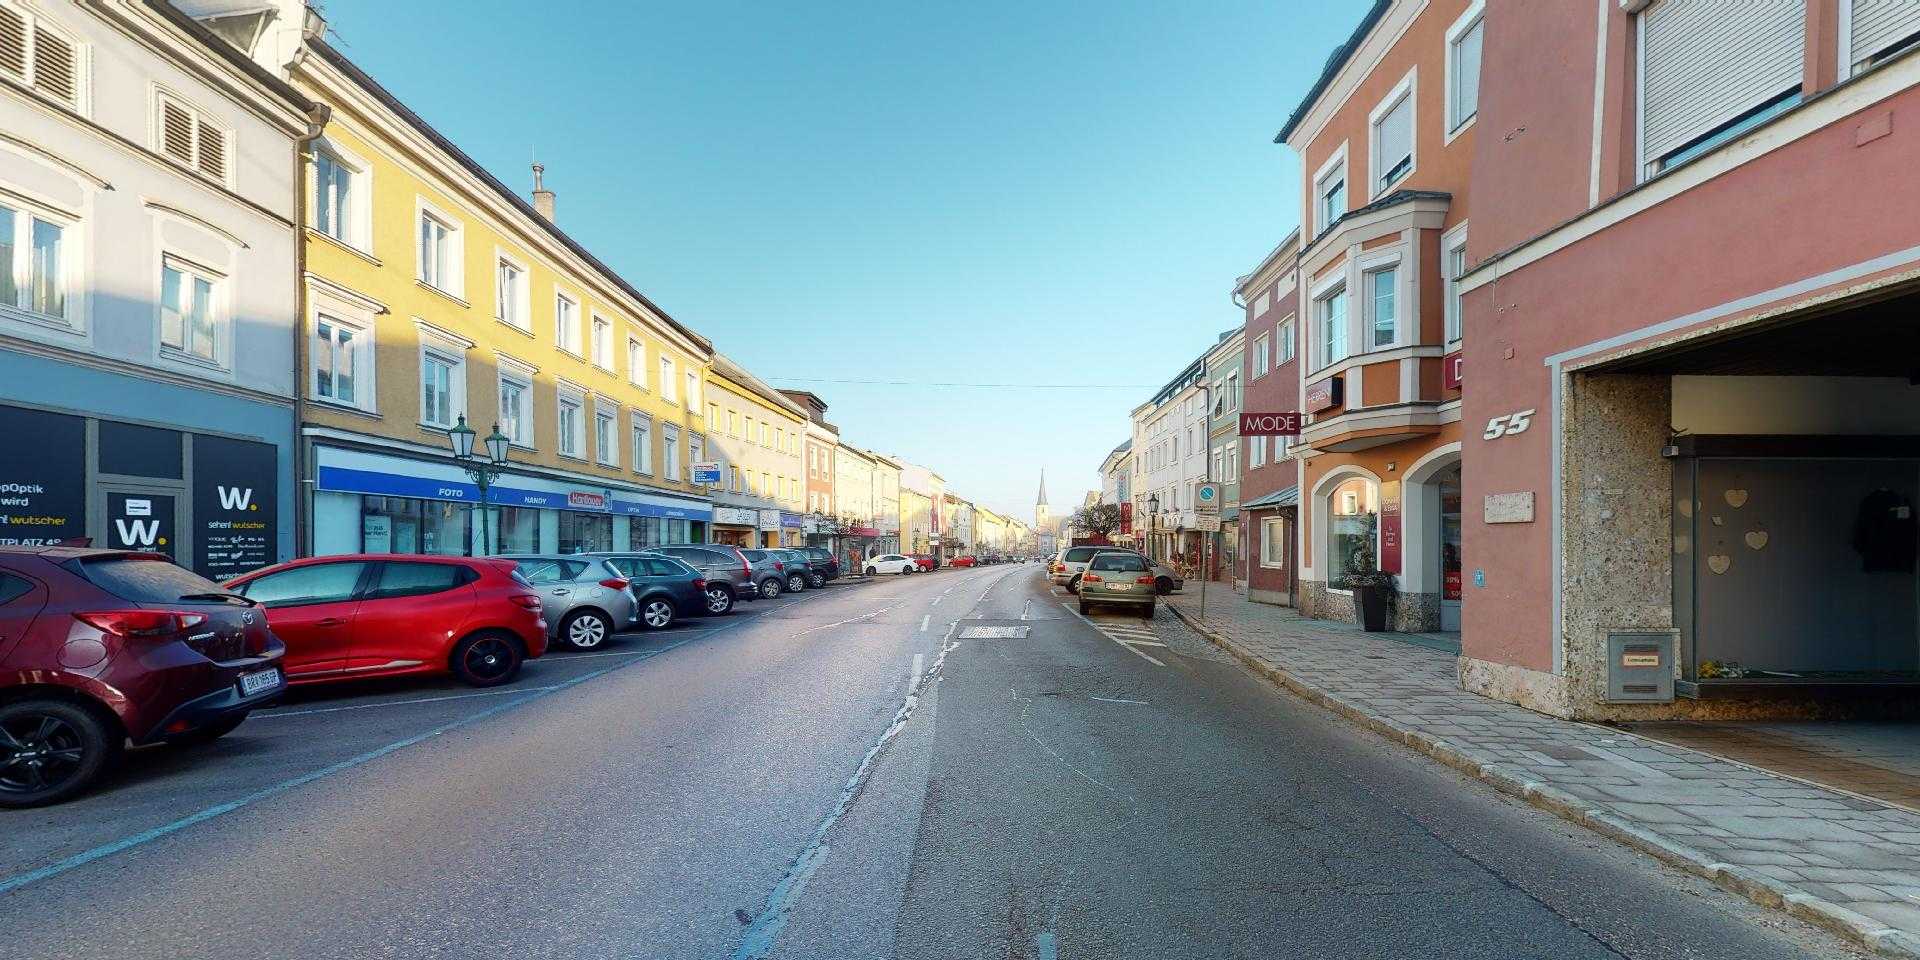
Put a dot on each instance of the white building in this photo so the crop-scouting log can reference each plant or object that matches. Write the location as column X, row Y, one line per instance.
column 1170, row 460
column 148, row 275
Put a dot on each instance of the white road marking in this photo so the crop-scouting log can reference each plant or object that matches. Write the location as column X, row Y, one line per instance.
column 1123, row 645
column 924, row 621
column 1140, row 643
column 914, row 680
column 1026, row 611
column 269, row 715
column 1137, row 703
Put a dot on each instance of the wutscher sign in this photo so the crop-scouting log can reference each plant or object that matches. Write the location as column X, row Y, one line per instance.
column 1270, row 424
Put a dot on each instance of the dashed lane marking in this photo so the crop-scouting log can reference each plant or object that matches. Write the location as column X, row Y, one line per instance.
column 1135, row 650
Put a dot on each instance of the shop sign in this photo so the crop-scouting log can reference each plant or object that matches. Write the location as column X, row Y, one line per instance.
column 140, row 521
column 868, row 532
column 1390, row 532
column 791, row 520
column 236, row 506
column 586, row 501
column 770, row 521
column 706, row 472
column 736, row 516
column 1324, row 395
column 1450, row 371
column 43, row 495
column 1270, row 424
column 1126, row 517
column 1207, row 523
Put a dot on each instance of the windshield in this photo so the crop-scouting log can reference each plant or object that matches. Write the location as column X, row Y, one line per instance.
column 147, row 579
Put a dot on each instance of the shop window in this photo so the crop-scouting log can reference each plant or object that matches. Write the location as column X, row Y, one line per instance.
column 1273, row 543
column 1353, row 529
column 32, row 262
column 406, row 525
column 517, row 529
column 585, row 532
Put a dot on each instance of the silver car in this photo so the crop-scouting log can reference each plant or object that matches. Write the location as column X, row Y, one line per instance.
column 1066, row 568
column 585, row 600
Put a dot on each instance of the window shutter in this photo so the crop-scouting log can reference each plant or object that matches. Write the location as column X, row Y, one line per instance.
column 176, row 132
column 1706, row 62
column 53, row 66
column 213, row 151
column 1396, row 138
column 1880, row 24
column 13, row 43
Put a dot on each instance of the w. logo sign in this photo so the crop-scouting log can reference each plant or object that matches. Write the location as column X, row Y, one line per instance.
column 137, row 533
column 235, row 498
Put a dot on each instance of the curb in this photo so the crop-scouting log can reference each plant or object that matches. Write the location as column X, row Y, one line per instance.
column 1761, row 889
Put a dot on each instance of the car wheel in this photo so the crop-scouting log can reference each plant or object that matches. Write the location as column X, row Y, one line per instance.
column 719, row 600
column 769, row 588
column 1085, row 608
column 1163, row 586
column 51, row 750
column 796, row 583
column 586, row 629
column 656, row 613
column 1073, row 585
column 486, row 660
column 873, row 572
column 208, row 733
column 816, row 581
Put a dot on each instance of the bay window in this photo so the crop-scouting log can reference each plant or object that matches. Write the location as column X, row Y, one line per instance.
column 1332, row 324
column 1382, row 306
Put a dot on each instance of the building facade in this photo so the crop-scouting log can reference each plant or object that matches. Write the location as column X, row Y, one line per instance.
column 1385, row 138
column 1725, row 457
column 149, row 255
column 1223, row 401
column 922, row 500
column 887, row 507
column 1171, row 459
column 760, row 436
column 1116, row 487
column 1269, row 475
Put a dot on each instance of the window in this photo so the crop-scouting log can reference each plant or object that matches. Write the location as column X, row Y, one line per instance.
column 1353, row 529
column 1453, row 264
column 1392, row 133
column 516, row 409
column 696, row 451
column 1880, row 29
column 341, row 367
column 1707, row 77
column 733, row 479
column 439, row 265
column 510, row 293
column 606, row 447
column 1330, row 195
column 1256, row 452
column 642, row 445
column 602, row 343
column 733, row 422
column 1382, row 310
column 406, row 579
column 1233, row 391
column 442, row 388
column 693, row 391
column 189, row 312
column 566, row 323
column 670, row 452
column 713, row 417
column 1287, row 340
column 1463, row 69
column 339, row 197
column 666, row 379
column 36, row 56
column 1261, row 351
column 636, row 363
column 1332, row 310
column 1273, row 543
column 1219, row 464
column 1233, row 463
column 32, row 263
column 573, row 427
column 300, row 586
column 191, row 139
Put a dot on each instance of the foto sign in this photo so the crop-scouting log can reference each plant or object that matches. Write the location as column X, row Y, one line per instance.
column 706, row 472
column 1270, row 424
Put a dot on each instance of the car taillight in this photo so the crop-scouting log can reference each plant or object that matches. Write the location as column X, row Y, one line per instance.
column 1059, row 568
column 527, row 600
column 1146, row 579
column 699, row 584
column 1091, row 578
column 140, row 624
column 615, row 583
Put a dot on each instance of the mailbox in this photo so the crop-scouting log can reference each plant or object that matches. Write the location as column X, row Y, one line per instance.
column 1640, row 666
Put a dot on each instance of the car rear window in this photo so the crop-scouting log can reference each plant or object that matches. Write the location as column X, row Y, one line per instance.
column 1079, row 554
column 145, row 579
column 13, row 588
column 1119, row 562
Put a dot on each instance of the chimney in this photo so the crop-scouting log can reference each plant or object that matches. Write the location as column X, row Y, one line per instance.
column 542, row 197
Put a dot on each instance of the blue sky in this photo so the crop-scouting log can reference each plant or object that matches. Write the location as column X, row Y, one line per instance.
column 1023, row 193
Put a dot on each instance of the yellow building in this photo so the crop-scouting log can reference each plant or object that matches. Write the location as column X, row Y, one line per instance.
column 758, row 440
column 434, row 293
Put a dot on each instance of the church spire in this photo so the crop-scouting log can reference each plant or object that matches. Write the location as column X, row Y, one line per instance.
column 1043, row 488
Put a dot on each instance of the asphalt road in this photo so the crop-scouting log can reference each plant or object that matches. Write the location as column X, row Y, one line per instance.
column 872, row 770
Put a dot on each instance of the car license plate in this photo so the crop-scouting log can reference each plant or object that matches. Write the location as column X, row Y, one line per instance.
column 253, row 683
column 1121, row 586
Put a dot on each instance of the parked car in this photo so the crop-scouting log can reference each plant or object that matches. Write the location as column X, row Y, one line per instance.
column 926, row 561
column 1117, row 578
column 799, row 570
column 353, row 616
column 823, row 559
column 769, row 572
column 586, row 599
column 650, row 577
column 1066, row 568
column 719, row 563
column 965, row 561
column 890, row 563
column 102, row 647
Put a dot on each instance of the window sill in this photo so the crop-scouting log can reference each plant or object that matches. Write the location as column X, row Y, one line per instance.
column 448, row 294
column 41, row 321
column 195, row 361
column 438, row 430
column 1463, row 127
column 516, row 328
column 576, row 458
column 564, row 349
column 347, row 246
column 335, row 405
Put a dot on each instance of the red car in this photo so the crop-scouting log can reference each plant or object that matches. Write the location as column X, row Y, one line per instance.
column 925, row 561
column 382, row 615
column 966, row 561
column 102, row 647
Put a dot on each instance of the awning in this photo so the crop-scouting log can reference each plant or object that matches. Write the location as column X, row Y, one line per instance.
column 1285, row 497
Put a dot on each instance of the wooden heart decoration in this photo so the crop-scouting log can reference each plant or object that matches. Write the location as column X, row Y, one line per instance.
column 1756, row 539
column 1685, row 507
column 1717, row 521
column 1736, row 498
column 1719, row 563
column 1681, row 543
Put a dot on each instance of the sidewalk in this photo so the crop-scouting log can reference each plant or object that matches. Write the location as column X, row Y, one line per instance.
column 1847, row 863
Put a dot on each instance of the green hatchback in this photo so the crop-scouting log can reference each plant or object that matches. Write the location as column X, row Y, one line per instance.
column 1117, row 578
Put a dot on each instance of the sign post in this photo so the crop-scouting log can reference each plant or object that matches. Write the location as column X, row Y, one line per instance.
column 1206, row 519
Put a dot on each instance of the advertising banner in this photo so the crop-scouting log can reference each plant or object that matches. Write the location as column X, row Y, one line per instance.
column 236, row 500
column 1285, row 424
column 1390, row 530
column 140, row 521
column 1126, row 517
column 706, row 472
column 43, row 483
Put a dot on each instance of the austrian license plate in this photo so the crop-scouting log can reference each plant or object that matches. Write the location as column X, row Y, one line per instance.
column 1120, row 586
column 260, row 682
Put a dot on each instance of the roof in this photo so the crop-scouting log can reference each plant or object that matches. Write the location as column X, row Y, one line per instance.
column 1393, row 199
column 232, row 55
column 1341, row 54
column 1284, row 497
column 391, row 102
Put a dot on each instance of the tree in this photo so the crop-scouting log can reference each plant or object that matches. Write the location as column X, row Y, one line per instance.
column 1101, row 518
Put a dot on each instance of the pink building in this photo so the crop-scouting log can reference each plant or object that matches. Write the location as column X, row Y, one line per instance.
column 1269, row 476
column 1692, row 331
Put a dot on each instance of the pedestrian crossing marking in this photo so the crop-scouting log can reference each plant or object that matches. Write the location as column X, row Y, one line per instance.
column 994, row 633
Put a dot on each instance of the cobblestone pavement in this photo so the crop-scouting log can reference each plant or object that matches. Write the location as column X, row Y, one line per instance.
column 1846, row 862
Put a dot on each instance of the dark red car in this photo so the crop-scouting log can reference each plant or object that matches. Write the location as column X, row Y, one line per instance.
column 102, row 647
column 380, row 615
column 925, row 561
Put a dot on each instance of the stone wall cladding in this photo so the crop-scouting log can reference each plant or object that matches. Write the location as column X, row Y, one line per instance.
column 1415, row 612
column 1318, row 602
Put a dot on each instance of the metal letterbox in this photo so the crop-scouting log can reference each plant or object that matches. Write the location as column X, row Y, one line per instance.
column 1640, row 666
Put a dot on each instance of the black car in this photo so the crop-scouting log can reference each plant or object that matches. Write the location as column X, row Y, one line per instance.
column 820, row 558
column 660, row 581
column 721, row 563
column 801, row 571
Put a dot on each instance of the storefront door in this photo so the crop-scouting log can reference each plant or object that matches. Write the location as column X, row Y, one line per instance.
column 141, row 517
column 1449, row 484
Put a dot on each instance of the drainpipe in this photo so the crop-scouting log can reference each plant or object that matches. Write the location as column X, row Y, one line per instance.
column 303, row 470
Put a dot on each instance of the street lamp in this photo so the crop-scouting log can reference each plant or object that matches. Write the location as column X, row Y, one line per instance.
column 481, row 471
column 1153, row 521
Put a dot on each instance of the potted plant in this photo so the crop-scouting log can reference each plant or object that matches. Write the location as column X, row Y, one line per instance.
column 1372, row 590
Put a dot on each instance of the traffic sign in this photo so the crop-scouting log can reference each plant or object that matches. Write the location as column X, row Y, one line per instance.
column 1206, row 498
column 1206, row 522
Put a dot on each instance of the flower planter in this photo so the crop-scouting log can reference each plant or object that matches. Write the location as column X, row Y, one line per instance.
column 1370, row 607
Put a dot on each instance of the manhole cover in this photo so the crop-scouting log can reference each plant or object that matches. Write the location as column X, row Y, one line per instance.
column 994, row 633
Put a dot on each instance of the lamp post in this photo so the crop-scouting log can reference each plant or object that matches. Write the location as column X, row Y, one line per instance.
column 1153, row 522
column 482, row 471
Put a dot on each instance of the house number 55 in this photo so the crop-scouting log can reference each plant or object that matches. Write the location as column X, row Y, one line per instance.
column 1508, row 425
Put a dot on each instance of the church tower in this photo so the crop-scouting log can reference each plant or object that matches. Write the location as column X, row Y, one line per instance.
column 1042, row 522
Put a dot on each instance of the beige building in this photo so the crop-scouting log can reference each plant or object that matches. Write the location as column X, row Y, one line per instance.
column 758, row 436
